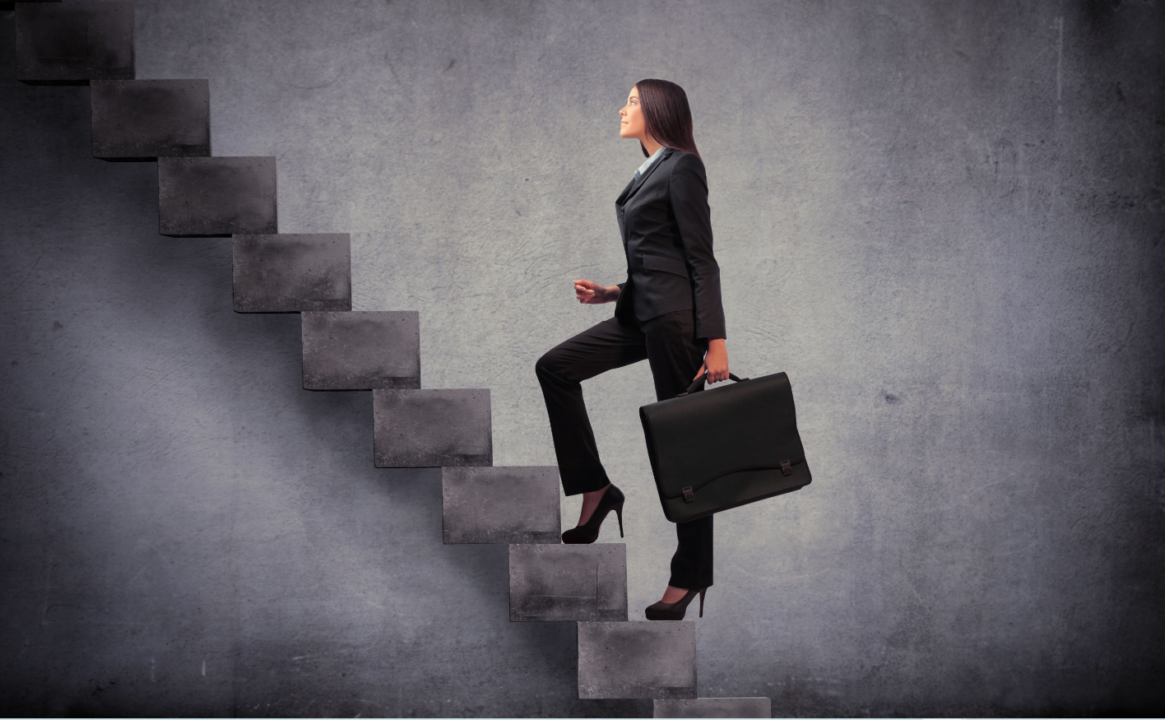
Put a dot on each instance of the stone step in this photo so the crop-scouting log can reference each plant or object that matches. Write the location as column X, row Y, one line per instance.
column 216, row 196
column 293, row 273
column 500, row 505
column 432, row 428
column 145, row 119
column 746, row 707
column 10, row 6
column 648, row 659
column 364, row 350
column 568, row 582
column 73, row 43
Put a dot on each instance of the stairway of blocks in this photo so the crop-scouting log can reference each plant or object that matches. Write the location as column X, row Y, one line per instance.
column 168, row 122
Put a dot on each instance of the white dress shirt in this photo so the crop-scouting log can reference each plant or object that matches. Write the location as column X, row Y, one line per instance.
column 647, row 163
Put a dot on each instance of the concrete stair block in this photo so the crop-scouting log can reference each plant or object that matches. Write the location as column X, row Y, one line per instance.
column 432, row 428
column 216, row 196
column 651, row 659
column 361, row 350
column 145, row 119
column 568, row 582
column 10, row 6
column 292, row 273
column 72, row 43
column 747, row 707
column 500, row 505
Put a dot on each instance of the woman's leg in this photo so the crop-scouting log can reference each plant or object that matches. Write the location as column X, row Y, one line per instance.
column 675, row 356
column 606, row 346
column 691, row 565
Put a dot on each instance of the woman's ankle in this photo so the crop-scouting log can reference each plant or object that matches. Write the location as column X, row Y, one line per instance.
column 597, row 494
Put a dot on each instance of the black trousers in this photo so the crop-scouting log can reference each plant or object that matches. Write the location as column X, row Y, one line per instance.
column 669, row 344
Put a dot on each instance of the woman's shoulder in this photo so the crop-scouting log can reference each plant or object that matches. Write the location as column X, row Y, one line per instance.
column 685, row 156
column 682, row 158
column 686, row 162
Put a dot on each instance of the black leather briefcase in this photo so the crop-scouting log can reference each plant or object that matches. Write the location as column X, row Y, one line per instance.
column 723, row 447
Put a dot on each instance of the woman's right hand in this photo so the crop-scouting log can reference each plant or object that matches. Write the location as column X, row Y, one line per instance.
column 592, row 293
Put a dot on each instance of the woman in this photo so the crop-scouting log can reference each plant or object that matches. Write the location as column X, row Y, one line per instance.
column 667, row 311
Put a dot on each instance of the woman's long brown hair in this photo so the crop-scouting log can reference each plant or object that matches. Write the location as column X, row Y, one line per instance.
column 666, row 115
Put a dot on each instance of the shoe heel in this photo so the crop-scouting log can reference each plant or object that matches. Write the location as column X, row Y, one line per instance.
column 619, row 514
column 702, row 591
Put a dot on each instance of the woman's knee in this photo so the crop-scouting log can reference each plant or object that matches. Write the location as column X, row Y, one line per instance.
column 556, row 365
column 547, row 364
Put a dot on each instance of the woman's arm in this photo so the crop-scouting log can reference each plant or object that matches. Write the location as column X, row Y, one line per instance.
column 592, row 293
column 688, row 189
column 715, row 361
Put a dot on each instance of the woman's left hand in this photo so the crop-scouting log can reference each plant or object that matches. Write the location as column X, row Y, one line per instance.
column 715, row 362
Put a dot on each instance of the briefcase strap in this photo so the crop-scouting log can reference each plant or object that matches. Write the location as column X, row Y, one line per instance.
column 700, row 381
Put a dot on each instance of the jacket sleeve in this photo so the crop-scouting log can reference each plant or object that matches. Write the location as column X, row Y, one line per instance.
column 688, row 191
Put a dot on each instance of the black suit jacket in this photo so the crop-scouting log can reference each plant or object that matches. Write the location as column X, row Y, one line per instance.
column 667, row 235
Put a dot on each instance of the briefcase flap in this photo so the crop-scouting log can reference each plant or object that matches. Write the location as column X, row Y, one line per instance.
column 696, row 439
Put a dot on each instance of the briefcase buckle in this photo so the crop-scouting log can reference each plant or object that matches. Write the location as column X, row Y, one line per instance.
column 688, row 495
column 786, row 467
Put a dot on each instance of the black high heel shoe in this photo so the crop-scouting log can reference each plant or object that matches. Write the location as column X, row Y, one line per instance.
column 588, row 533
column 675, row 611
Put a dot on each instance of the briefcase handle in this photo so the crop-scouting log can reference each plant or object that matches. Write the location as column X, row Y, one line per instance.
column 700, row 381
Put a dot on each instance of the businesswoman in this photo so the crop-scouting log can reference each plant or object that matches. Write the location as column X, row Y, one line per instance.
column 667, row 311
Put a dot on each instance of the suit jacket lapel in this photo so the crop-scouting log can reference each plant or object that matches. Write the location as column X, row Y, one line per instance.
column 634, row 185
column 623, row 195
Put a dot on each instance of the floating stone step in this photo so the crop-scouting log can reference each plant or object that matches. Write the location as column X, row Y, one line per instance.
column 432, row 428
column 216, row 196
column 364, row 350
column 500, row 504
column 72, row 43
column 292, row 273
column 145, row 119
column 10, row 6
column 567, row 582
column 650, row 659
column 748, row 707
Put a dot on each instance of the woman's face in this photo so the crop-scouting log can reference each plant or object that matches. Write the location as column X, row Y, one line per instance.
column 632, row 123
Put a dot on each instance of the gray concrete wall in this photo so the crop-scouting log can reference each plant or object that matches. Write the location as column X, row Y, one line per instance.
column 944, row 220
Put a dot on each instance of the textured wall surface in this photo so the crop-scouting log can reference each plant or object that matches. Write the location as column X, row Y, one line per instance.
column 944, row 220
